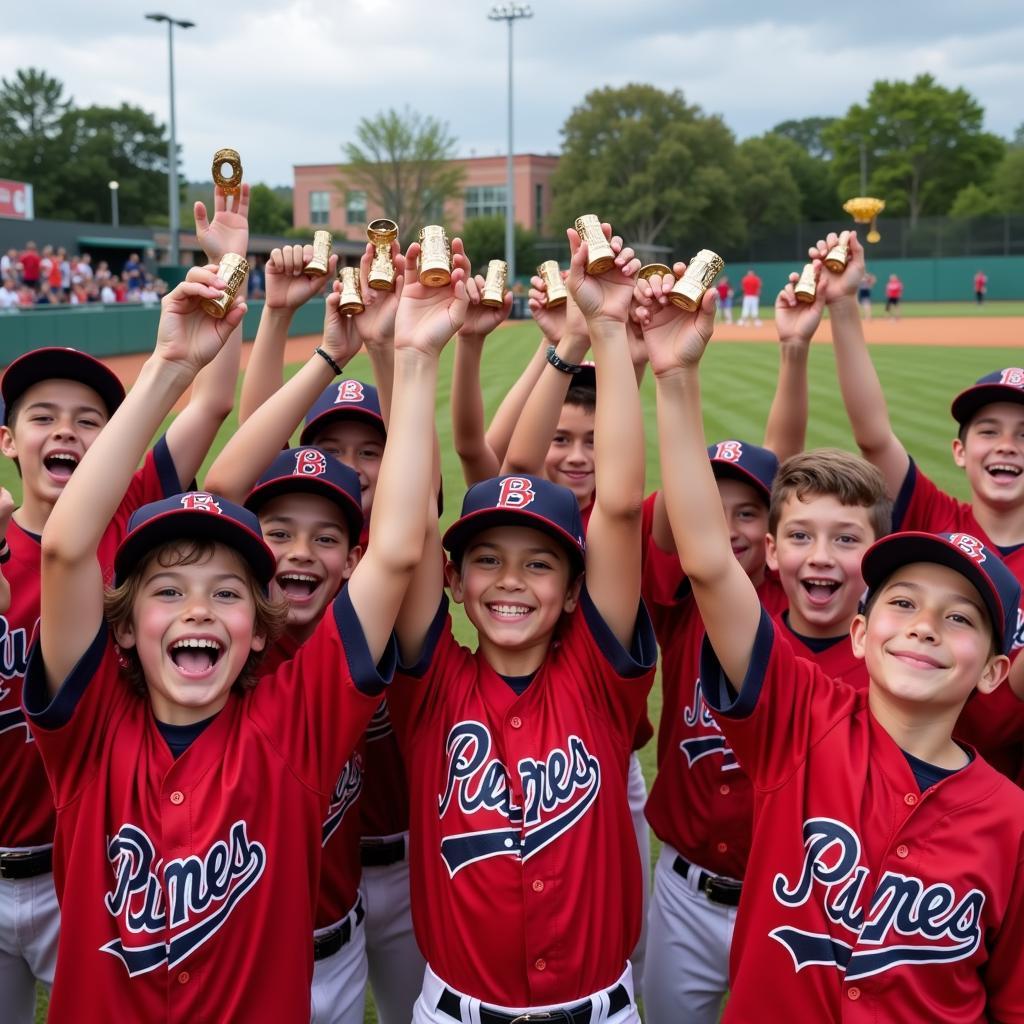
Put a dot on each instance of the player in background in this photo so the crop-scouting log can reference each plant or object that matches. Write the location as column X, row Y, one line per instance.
column 989, row 447
column 884, row 880
column 188, row 614
column 517, row 754
column 55, row 402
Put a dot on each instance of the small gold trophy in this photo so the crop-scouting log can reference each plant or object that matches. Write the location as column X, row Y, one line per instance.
column 233, row 269
column 382, row 233
column 650, row 269
column 700, row 275
column 230, row 184
column 317, row 266
column 495, row 284
column 807, row 287
column 600, row 255
column 865, row 210
column 838, row 254
column 351, row 296
column 551, row 275
column 435, row 257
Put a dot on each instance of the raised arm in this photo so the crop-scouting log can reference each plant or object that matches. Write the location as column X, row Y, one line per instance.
column 427, row 319
column 375, row 326
column 72, row 582
column 785, row 431
column 288, row 288
column 726, row 598
column 858, row 379
column 614, row 532
column 253, row 446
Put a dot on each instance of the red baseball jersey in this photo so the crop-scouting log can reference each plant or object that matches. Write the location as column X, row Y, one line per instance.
column 26, row 803
column 524, row 865
column 187, row 886
column 994, row 722
column 864, row 899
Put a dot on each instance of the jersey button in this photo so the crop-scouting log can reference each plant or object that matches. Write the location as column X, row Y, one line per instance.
column 910, row 799
column 183, row 977
column 725, row 789
column 902, row 850
column 541, row 964
column 722, row 847
column 538, row 885
column 853, row 993
column 177, row 797
column 515, row 721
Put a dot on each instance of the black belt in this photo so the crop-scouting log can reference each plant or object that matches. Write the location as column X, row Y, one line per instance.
column 719, row 890
column 377, row 853
column 26, row 865
column 330, row 942
column 618, row 999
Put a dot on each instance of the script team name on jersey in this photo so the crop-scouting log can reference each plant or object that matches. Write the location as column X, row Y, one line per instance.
column 346, row 793
column 14, row 644
column 900, row 921
column 711, row 740
column 557, row 792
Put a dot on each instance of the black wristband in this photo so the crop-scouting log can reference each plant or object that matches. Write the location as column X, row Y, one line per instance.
column 5, row 552
column 326, row 356
column 560, row 364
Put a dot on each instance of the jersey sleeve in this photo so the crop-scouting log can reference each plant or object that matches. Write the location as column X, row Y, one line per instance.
column 784, row 706
column 920, row 505
column 72, row 728
column 315, row 707
column 1004, row 980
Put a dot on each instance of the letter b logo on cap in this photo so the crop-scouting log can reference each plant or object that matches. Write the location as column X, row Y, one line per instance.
column 198, row 501
column 309, row 462
column 516, row 492
column 970, row 546
column 1013, row 376
column 349, row 391
column 729, row 451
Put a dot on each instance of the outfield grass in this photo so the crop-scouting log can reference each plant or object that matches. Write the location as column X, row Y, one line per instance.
column 739, row 380
column 909, row 310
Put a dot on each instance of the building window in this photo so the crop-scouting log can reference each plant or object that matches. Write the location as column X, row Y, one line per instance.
column 538, row 207
column 485, row 201
column 319, row 207
column 355, row 207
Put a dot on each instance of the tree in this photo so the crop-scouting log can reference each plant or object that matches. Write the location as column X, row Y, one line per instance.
column 484, row 239
column 811, row 175
column 808, row 133
column 973, row 201
column 269, row 213
column 402, row 160
column 1008, row 182
column 768, row 196
column 923, row 143
column 658, row 169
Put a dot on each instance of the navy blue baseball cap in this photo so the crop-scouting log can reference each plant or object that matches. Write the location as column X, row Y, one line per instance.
column 344, row 399
column 312, row 471
column 1000, row 386
column 586, row 378
column 748, row 463
column 519, row 501
column 961, row 552
column 58, row 363
column 194, row 515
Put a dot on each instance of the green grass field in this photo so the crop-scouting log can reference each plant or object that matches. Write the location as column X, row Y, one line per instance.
column 739, row 380
column 910, row 310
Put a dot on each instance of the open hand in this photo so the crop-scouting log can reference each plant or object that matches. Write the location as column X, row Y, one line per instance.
column 341, row 340
column 796, row 321
column 287, row 286
column 229, row 230
column 428, row 317
column 674, row 337
column 602, row 296
column 481, row 319
column 550, row 321
column 838, row 286
column 376, row 324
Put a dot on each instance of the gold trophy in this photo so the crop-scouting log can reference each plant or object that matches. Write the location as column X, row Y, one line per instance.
column 551, row 275
column 317, row 266
column 230, row 184
column 600, row 255
column 807, row 287
column 700, row 275
column 838, row 254
column 382, row 233
column 495, row 284
column 650, row 269
column 865, row 210
column 233, row 269
column 435, row 257
column 351, row 296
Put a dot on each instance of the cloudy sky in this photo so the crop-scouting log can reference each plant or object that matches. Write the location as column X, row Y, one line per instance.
column 285, row 82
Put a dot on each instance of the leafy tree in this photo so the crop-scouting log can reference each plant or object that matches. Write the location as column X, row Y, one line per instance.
column 1008, row 182
column 811, row 175
column 808, row 133
column 484, row 239
column 402, row 160
column 924, row 143
column 766, row 191
column 659, row 169
column 269, row 213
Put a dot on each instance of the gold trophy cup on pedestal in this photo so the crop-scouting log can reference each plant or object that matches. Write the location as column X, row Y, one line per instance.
column 865, row 210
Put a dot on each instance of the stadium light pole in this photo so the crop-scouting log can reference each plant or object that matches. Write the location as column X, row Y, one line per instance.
column 510, row 13
column 172, row 145
column 115, row 220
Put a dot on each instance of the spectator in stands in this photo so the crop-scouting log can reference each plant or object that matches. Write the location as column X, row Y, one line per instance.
column 65, row 272
column 131, row 272
column 26, row 296
column 9, row 264
column 102, row 274
column 8, row 294
column 29, row 262
column 107, row 294
column 83, row 269
column 148, row 295
column 52, row 275
column 980, row 286
column 750, row 285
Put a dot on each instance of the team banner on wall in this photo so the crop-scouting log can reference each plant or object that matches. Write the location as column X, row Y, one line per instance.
column 16, row 200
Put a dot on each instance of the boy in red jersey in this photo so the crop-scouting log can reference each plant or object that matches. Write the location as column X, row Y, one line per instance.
column 884, row 876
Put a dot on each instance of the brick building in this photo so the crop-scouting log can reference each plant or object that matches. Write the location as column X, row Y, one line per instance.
column 321, row 197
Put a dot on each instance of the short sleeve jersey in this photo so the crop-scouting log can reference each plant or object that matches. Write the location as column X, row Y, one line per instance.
column 524, row 865
column 864, row 899
column 994, row 722
column 26, row 804
column 187, row 886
